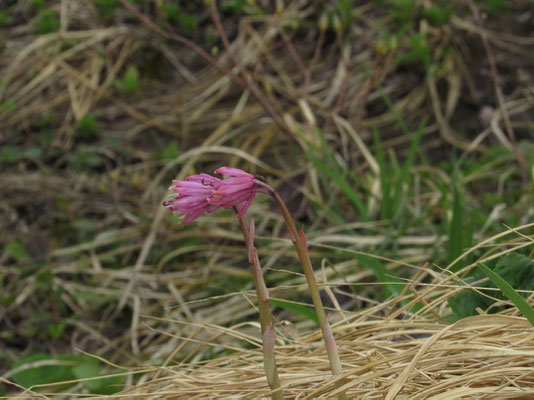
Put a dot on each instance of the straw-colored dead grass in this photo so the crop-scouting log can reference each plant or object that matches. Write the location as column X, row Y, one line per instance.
column 390, row 350
column 485, row 356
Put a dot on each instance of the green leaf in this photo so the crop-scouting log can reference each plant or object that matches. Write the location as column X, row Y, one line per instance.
column 5, row 19
column 56, row 330
column 455, row 231
column 46, row 22
column 517, row 270
column 171, row 151
column 386, row 204
column 438, row 16
column 383, row 275
column 10, row 154
column 106, row 8
column 41, row 369
column 510, row 293
column 495, row 6
column 404, row 176
column 189, row 22
column 299, row 309
column 17, row 251
column 90, row 369
column 465, row 303
column 8, row 106
column 333, row 175
column 37, row 4
column 88, row 126
column 171, row 11
column 345, row 9
column 130, row 82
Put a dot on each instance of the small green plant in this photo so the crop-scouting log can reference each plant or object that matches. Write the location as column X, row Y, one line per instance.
column 8, row 106
column 130, row 80
column 17, row 251
column 518, row 300
column 106, row 8
column 438, row 16
column 46, row 22
column 88, row 126
column 170, row 152
column 174, row 13
column 495, row 6
column 515, row 269
column 84, row 158
column 171, row 11
column 401, row 11
column 43, row 369
column 234, row 6
column 418, row 52
column 10, row 154
column 37, row 5
column 458, row 240
column 44, row 121
column 5, row 19
column 344, row 7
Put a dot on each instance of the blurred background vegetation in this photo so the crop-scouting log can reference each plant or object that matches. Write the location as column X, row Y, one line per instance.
column 397, row 128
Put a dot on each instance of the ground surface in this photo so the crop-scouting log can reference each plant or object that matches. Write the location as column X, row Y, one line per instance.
column 398, row 129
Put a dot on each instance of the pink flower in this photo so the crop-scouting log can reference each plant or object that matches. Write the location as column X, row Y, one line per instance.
column 193, row 196
column 238, row 187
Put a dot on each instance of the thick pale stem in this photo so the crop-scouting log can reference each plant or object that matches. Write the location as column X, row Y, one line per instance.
column 267, row 329
column 263, row 306
column 299, row 240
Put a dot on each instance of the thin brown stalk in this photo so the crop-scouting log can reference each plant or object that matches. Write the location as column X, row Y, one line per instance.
column 247, row 82
column 182, row 40
column 521, row 161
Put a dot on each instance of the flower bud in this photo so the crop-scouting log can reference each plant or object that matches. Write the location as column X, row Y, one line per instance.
column 323, row 22
column 336, row 23
column 279, row 7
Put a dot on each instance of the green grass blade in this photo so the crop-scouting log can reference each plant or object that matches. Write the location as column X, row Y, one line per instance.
column 455, row 231
column 405, row 170
column 510, row 293
column 342, row 183
column 298, row 309
column 386, row 205
column 392, row 285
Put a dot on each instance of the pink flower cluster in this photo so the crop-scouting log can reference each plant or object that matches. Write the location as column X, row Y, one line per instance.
column 203, row 192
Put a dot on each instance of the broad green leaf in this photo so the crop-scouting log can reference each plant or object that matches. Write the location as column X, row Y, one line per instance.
column 90, row 368
column 465, row 303
column 517, row 270
column 17, row 251
column 40, row 369
column 518, row 300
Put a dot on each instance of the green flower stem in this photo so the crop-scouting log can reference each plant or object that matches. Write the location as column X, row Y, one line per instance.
column 302, row 250
column 265, row 319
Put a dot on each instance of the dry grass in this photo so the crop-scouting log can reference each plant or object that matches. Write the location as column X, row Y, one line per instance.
column 388, row 349
column 488, row 356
